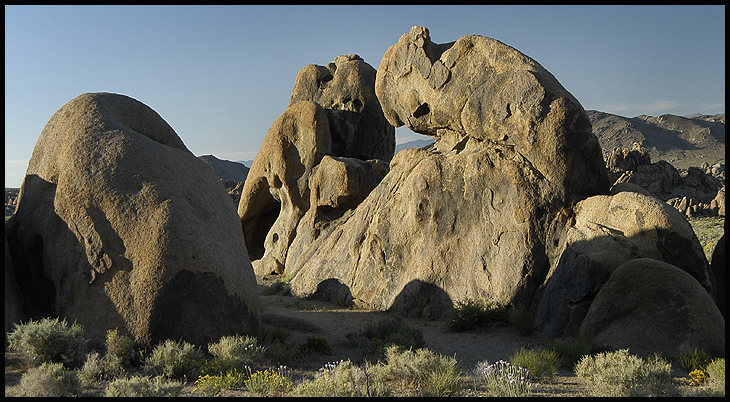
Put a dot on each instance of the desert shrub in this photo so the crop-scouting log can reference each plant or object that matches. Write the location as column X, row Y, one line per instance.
column 315, row 344
column 50, row 379
column 342, row 379
column 172, row 359
column 376, row 337
column 49, row 340
column 694, row 359
column 571, row 350
column 92, row 372
column 120, row 353
column 470, row 314
column 429, row 373
column 716, row 373
column 622, row 374
column 234, row 353
column 523, row 321
column 711, row 385
column 540, row 363
column 211, row 385
column 504, row 379
column 142, row 386
column 268, row 382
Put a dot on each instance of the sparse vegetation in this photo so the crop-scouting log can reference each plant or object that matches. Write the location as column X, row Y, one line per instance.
column 342, row 379
column 524, row 321
column 315, row 344
column 211, row 385
column 708, row 231
column 268, row 382
column 234, row 353
column 572, row 350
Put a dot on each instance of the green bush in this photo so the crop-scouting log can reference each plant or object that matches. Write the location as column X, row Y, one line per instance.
column 470, row 314
column 50, row 379
column 540, row 363
column 571, row 350
column 622, row 374
column 120, row 353
column 178, row 360
column 212, row 385
column 504, row 379
column 429, row 373
column 142, row 386
column 92, row 372
column 268, row 383
column 234, row 353
column 376, row 337
column 524, row 321
column 694, row 359
column 342, row 379
column 49, row 340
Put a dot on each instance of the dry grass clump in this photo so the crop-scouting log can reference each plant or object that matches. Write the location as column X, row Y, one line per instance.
column 504, row 379
column 178, row 360
column 622, row 374
column 539, row 363
column 429, row 373
column 376, row 337
column 49, row 379
column 234, row 353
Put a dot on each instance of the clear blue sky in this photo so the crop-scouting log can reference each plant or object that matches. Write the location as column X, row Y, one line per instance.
column 220, row 75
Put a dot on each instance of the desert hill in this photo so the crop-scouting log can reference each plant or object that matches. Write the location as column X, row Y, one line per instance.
column 226, row 170
column 681, row 141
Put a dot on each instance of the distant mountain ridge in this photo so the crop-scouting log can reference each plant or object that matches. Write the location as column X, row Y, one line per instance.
column 226, row 170
column 414, row 144
column 681, row 141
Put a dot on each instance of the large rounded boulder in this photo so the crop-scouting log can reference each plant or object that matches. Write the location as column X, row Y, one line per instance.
column 119, row 225
column 650, row 306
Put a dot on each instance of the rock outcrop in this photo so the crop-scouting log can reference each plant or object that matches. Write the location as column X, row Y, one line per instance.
column 119, row 225
column 319, row 159
column 469, row 216
column 691, row 191
column 649, row 306
column 603, row 233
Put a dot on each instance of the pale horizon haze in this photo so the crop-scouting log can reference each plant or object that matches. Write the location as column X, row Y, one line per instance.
column 220, row 75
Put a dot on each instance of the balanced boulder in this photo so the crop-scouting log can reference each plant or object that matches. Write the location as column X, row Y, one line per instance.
column 119, row 225
column 468, row 217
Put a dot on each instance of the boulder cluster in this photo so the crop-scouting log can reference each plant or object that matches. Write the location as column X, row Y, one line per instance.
column 694, row 192
column 119, row 225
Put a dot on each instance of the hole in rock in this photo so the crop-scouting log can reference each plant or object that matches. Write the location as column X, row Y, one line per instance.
column 277, row 182
column 275, row 238
column 257, row 227
column 421, row 110
column 357, row 103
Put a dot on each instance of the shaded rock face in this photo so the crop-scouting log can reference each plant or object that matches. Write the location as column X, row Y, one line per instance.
column 13, row 298
column 484, row 89
column 468, row 217
column 118, row 224
column 603, row 233
column 345, row 88
column 718, row 269
column 649, row 306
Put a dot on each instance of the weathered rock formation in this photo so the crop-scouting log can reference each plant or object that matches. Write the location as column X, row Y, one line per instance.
column 119, row 225
column 319, row 159
column 470, row 216
column 603, row 233
column 649, row 306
